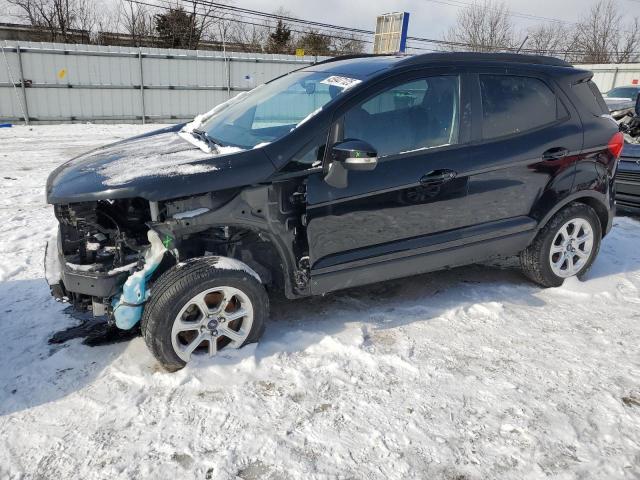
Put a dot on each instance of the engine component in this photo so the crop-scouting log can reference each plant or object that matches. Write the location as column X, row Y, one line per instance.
column 127, row 307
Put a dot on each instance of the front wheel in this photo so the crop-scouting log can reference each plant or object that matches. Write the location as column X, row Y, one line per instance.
column 197, row 308
column 565, row 247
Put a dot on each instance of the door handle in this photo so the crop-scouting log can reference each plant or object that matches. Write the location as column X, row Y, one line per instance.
column 437, row 177
column 555, row 153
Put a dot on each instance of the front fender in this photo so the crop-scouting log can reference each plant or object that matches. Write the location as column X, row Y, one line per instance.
column 256, row 209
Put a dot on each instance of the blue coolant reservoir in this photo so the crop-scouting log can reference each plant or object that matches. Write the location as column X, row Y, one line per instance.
column 127, row 308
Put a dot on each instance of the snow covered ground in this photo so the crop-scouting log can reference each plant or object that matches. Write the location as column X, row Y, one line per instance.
column 468, row 374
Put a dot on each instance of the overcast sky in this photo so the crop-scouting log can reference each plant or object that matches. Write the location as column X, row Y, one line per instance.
column 429, row 18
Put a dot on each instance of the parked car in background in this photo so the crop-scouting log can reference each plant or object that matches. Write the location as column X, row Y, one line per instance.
column 629, row 91
column 622, row 100
column 344, row 173
column 628, row 179
column 628, row 174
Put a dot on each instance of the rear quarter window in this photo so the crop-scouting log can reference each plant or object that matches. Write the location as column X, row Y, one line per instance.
column 590, row 97
column 516, row 104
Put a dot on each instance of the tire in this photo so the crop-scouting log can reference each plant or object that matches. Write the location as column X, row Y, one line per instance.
column 174, row 317
column 540, row 265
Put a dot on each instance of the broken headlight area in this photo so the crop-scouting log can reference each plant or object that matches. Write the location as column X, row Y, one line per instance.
column 98, row 246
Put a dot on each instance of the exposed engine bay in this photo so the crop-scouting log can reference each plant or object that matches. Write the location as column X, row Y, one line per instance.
column 110, row 251
column 104, row 235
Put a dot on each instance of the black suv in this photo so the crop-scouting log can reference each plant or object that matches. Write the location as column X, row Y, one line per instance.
column 351, row 171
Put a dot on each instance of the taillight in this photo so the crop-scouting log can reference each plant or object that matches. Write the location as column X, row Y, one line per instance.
column 616, row 144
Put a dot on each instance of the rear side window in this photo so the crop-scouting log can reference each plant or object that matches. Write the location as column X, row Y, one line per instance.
column 513, row 104
column 589, row 96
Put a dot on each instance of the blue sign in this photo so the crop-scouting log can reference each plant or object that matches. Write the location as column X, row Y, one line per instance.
column 403, row 33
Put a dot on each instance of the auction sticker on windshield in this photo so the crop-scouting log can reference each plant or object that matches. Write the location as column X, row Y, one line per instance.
column 342, row 82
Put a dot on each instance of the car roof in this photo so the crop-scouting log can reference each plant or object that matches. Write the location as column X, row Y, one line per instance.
column 357, row 66
column 362, row 66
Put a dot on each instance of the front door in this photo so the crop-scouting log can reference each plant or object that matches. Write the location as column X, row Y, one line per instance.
column 419, row 127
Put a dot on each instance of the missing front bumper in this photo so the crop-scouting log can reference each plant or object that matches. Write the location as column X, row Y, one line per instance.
column 63, row 279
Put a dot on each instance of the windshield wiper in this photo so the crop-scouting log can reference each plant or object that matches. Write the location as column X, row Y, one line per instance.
column 206, row 138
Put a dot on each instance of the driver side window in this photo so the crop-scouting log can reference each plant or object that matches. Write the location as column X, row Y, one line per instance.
column 415, row 115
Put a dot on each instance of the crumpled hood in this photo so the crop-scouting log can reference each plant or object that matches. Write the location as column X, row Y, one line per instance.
column 157, row 166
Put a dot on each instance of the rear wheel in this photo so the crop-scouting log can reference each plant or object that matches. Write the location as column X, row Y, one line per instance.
column 197, row 309
column 567, row 246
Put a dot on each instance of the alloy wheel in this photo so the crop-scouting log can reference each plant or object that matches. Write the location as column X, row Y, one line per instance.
column 571, row 248
column 216, row 318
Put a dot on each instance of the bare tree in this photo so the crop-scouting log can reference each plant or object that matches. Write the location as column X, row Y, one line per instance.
column 86, row 17
column 136, row 20
column 626, row 46
column 348, row 44
column 482, row 27
column 604, row 37
column 56, row 17
column 108, row 22
column 553, row 39
column 249, row 38
column 222, row 31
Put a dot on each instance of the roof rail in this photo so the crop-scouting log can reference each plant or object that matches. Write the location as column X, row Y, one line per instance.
column 482, row 57
column 356, row 55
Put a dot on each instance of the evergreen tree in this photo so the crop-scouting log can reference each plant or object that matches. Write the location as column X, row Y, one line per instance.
column 177, row 29
column 280, row 39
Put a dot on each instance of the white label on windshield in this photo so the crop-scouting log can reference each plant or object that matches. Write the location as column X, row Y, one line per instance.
column 342, row 82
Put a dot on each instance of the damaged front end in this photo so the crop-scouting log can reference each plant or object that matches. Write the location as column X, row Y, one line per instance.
column 108, row 253
column 103, row 256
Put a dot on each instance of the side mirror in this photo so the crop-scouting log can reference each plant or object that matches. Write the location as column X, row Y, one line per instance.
column 349, row 155
column 355, row 155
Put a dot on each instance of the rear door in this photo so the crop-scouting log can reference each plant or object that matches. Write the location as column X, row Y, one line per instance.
column 528, row 136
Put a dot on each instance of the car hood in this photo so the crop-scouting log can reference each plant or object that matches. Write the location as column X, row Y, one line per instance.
column 615, row 104
column 156, row 166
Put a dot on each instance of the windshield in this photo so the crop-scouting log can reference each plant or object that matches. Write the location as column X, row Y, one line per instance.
column 274, row 109
column 628, row 92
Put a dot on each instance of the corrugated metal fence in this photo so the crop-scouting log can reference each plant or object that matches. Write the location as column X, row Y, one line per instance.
column 607, row 76
column 49, row 82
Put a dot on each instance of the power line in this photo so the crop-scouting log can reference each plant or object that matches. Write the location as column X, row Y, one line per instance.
column 268, row 16
column 526, row 16
column 511, row 13
column 245, row 22
column 276, row 16
column 415, row 39
column 283, row 18
column 272, row 16
column 168, row 4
